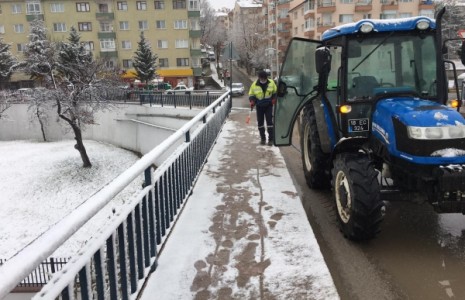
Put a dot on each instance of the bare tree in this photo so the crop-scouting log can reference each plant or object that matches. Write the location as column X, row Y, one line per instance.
column 249, row 41
column 4, row 102
column 39, row 106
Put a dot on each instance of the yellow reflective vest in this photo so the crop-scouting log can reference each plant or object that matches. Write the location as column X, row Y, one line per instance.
column 256, row 92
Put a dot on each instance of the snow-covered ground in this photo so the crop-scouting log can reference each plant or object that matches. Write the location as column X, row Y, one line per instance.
column 40, row 183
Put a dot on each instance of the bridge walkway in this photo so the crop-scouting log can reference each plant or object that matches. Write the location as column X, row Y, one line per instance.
column 243, row 233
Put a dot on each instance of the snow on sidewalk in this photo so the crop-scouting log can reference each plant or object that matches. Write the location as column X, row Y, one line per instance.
column 243, row 233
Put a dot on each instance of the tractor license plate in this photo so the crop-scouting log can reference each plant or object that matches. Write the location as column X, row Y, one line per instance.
column 357, row 125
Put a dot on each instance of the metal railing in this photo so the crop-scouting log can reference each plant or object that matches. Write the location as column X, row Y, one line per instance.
column 176, row 99
column 41, row 275
column 117, row 259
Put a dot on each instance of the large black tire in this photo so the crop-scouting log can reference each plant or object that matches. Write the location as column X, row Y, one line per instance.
column 315, row 162
column 357, row 196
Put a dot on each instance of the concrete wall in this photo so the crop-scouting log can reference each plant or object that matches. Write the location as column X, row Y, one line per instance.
column 130, row 126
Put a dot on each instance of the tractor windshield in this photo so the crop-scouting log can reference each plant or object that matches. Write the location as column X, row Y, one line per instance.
column 391, row 64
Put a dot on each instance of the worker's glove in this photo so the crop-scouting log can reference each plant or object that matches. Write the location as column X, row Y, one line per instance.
column 273, row 101
column 252, row 104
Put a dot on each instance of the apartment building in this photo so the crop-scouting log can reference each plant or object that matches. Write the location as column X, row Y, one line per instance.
column 111, row 29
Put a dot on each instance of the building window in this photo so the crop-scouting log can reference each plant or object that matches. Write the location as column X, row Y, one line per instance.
column 162, row 44
column 163, row 62
column 405, row 0
column 427, row 13
column 122, row 5
column 126, row 45
column 143, row 25
column 182, row 62
column 106, row 27
column 2, row 28
column 195, row 24
column 388, row 14
column 16, row 8
column 141, row 5
column 0, row 9
column 57, row 7
column 160, row 24
column 159, row 4
column 107, row 44
column 194, row 5
column 89, row 46
column 59, row 27
column 127, row 63
column 366, row 16
column 82, row 6
column 346, row 18
column 21, row 47
column 180, row 24
column 179, row 4
column 33, row 8
column 182, row 44
column 85, row 26
column 103, row 8
column 18, row 28
column 347, row 1
column 124, row 25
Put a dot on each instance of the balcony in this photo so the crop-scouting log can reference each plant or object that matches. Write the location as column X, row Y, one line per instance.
column 426, row 4
column 108, row 54
column 309, row 33
column 321, row 27
column 105, row 16
column 195, row 33
column 106, row 35
column 363, row 5
column 389, row 5
column 195, row 52
column 32, row 17
column 326, row 7
column 309, row 11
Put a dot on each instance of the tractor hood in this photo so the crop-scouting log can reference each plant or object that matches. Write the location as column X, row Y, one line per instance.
column 417, row 112
column 419, row 130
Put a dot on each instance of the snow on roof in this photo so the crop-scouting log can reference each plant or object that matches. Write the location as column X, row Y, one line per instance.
column 248, row 3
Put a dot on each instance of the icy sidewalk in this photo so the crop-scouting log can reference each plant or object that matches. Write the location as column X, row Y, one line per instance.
column 243, row 233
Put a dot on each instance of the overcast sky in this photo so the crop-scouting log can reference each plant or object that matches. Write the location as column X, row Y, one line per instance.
column 216, row 4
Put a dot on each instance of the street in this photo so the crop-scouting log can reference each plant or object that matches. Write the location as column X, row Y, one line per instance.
column 419, row 254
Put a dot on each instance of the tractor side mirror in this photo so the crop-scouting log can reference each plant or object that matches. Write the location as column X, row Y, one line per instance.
column 322, row 60
column 282, row 88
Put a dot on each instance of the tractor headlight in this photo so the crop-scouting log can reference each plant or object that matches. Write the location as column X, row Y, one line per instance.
column 422, row 25
column 366, row 28
column 436, row 133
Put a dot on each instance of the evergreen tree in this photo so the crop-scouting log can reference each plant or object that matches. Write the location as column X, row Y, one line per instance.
column 40, row 55
column 144, row 60
column 7, row 63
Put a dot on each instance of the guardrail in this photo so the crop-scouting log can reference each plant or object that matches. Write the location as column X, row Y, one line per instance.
column 183, row 99
column 116, row 261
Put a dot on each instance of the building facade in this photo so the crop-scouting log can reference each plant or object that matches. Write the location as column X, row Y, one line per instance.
column 111, row 29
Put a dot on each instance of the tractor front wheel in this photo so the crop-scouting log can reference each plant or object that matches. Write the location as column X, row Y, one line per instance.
column 314, row 160
column 357, row 196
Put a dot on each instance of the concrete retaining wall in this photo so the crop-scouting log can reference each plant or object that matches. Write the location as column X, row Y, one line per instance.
column 130, row 126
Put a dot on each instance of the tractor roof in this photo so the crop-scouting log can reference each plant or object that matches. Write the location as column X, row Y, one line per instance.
column 404, row 24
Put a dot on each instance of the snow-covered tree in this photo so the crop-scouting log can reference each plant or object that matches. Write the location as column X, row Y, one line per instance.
column 82, row 88
column 144, row 60
column 7, row 63
column 4, row 102
column 453, row 20
column 40, row 55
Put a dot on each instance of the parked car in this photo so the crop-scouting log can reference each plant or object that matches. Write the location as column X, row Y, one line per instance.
column 237, row 88
column 180, row 88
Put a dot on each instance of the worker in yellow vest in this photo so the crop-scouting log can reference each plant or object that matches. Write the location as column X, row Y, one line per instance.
column 262, row 95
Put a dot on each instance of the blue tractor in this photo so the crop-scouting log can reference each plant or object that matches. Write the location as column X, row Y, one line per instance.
column 376, row 122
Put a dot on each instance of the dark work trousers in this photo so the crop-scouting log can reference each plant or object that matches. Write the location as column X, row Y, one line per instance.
column 265, row 112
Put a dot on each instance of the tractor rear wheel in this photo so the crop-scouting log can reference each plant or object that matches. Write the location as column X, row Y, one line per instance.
column 314, row 160
column 357, row 196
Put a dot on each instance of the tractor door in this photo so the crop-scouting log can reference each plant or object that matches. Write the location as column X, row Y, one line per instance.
column 296, row 86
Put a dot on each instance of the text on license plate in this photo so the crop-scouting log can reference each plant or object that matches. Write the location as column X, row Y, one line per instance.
column 357, row 125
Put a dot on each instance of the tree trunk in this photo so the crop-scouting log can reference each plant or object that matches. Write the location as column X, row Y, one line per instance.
column 80, row 147
column 41, row 125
